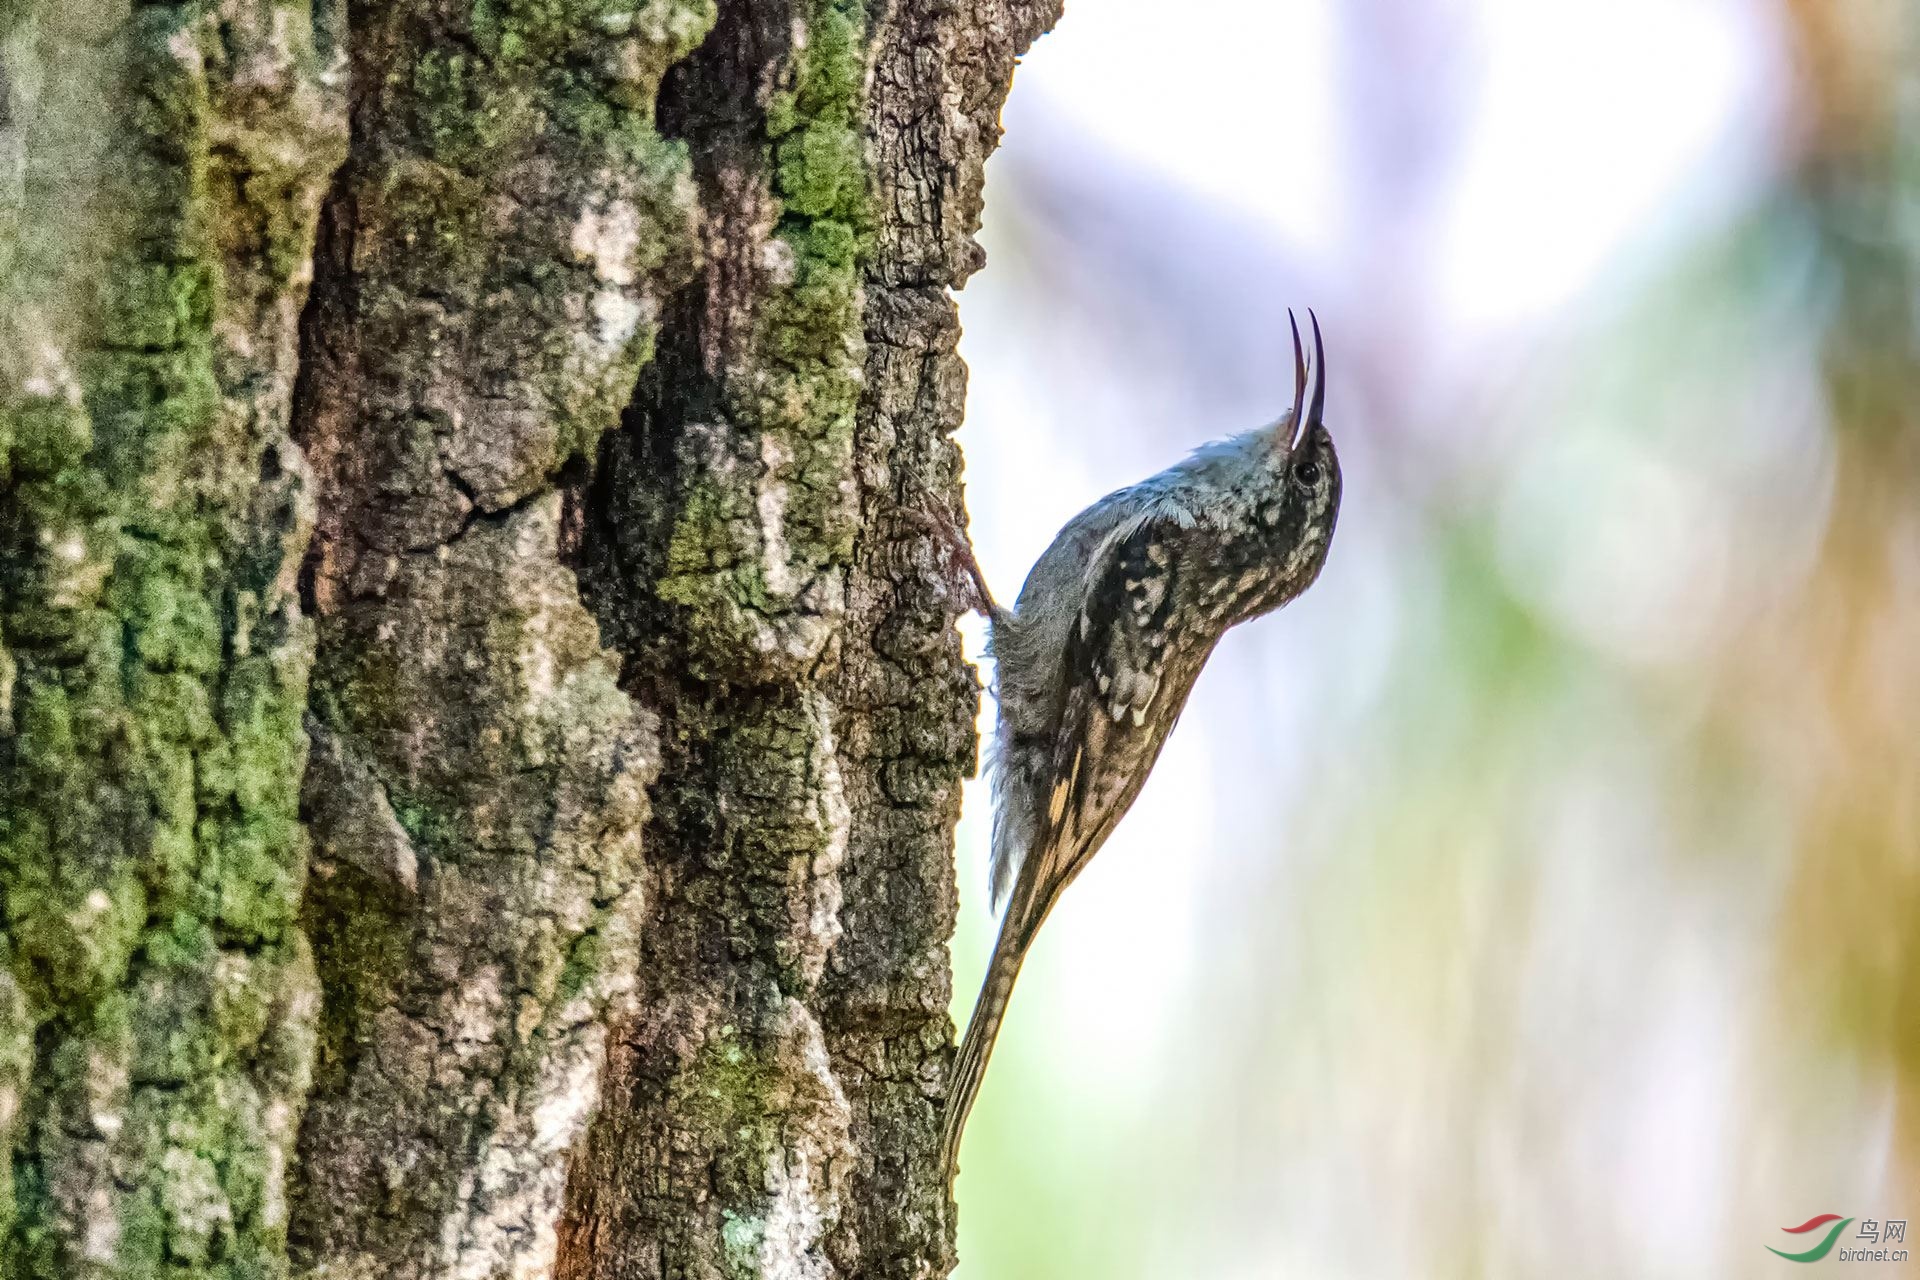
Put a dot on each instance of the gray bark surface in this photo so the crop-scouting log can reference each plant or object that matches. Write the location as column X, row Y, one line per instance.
column 480, row 735
column 485, row 291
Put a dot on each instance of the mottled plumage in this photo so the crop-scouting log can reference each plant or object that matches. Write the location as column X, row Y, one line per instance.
column 1096, row 659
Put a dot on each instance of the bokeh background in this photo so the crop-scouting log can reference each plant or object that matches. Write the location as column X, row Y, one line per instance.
column 1540, row 895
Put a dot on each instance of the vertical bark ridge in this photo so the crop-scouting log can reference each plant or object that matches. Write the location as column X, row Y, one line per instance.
column 163, row 165
column 488, row 287
column 941, row 73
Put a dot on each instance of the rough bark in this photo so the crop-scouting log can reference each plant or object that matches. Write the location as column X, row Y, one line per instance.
column 162, row 166
column 486, row 289
column 635, row 701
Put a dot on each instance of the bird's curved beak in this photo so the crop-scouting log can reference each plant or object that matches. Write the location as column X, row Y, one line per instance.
column 1307, row 410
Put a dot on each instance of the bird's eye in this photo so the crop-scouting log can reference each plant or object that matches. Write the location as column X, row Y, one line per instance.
column 1307, row 473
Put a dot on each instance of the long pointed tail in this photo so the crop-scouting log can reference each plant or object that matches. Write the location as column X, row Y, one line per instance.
column 970, row 1064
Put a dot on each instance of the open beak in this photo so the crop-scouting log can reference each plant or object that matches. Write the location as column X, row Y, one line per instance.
column 1307, row 411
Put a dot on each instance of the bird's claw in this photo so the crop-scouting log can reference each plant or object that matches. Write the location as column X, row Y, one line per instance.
column 957, row 553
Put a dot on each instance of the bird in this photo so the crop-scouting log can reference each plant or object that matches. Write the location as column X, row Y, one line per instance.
column 1094, row 662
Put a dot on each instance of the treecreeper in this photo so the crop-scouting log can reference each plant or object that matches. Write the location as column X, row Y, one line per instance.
column 1095, row 660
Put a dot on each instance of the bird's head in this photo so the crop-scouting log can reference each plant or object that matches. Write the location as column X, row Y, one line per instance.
column 1307, row 462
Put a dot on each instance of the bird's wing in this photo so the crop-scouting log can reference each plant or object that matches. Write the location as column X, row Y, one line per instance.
column 1119, row 703
column 1114, row 667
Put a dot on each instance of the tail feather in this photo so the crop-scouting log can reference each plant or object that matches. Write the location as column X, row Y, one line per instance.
column 970, row 1064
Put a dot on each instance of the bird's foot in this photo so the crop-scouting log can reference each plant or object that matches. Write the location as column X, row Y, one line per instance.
column 955, row 551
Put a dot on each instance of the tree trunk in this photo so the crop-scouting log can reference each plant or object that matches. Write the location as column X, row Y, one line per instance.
column 162, row 169
column 606, row 934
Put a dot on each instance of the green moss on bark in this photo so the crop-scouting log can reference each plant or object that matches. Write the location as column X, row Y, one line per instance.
column 757, row 570
column 150, row 852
